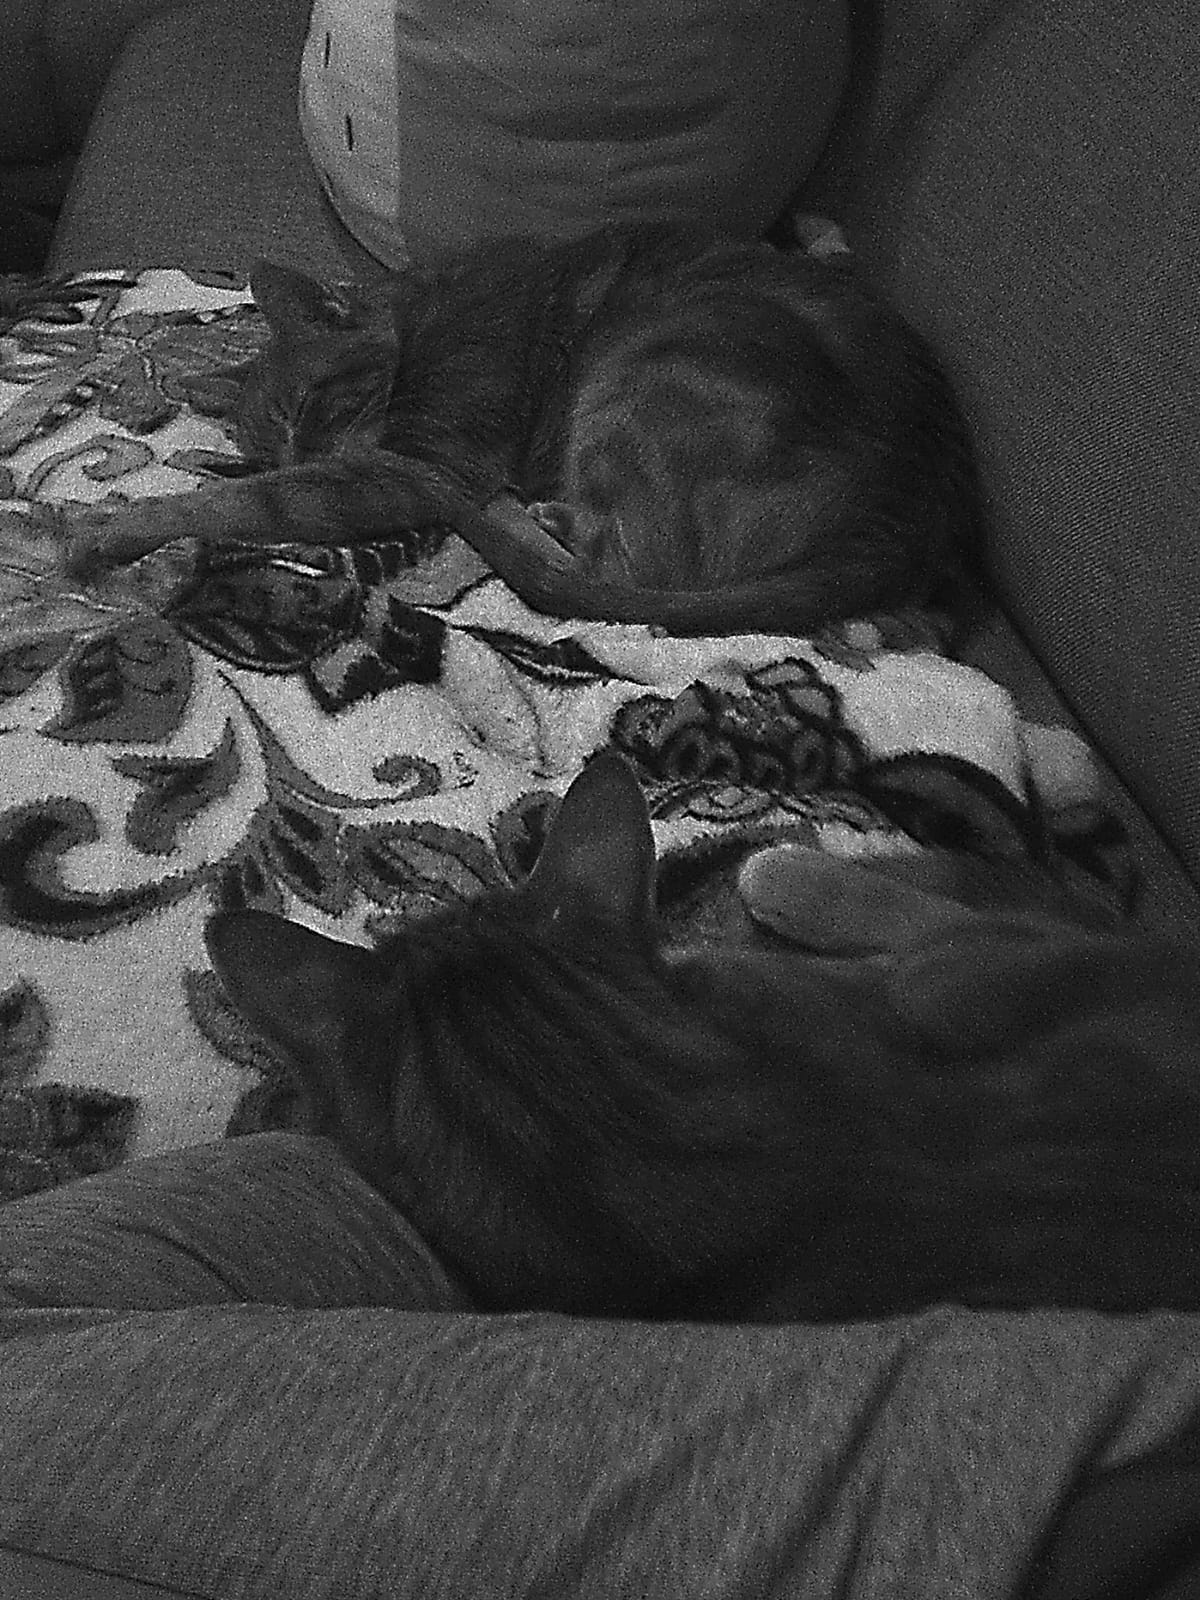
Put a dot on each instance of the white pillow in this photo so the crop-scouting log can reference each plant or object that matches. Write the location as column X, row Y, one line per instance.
column 437, row 122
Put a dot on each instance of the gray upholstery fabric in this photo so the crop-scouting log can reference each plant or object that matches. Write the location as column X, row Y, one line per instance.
column 1038, row 213
column 167, row 179
column 356, row 1446
column 268, row 1218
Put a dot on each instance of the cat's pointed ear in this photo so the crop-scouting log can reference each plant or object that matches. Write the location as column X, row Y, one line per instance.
column 295, row 986
column 597, row 862
column 294, row 303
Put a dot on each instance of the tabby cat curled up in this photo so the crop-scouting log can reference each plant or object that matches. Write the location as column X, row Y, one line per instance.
column 886, row 1087
column 656, row 426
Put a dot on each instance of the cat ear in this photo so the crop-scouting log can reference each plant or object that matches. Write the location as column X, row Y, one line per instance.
column 597, row 862
column 295, row 986
column 294, row 303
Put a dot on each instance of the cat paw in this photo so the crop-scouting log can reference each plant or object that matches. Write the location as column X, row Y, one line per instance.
column 556, row 520
column 97, row 540
column 40, row 595
column 534, row 537
column 837, row 906
column 45, row 552
column 83, row 554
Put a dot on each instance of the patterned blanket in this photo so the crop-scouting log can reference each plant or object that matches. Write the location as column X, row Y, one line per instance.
column 354, row 736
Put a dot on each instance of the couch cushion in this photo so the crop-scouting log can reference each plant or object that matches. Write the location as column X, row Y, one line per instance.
column 162, row 181
column 299, row 1429
column 1166, row 896
column 442, row 121
column 23, row 1574
column 1038, row 216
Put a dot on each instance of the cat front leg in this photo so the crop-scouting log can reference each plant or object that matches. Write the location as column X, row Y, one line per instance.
column 341, row 499
column 101, row 538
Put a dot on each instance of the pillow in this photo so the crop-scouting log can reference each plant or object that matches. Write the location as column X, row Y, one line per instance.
column 435, row 122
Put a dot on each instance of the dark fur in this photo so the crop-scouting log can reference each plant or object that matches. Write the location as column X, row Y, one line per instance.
column 714, row 436
column 580, row 1117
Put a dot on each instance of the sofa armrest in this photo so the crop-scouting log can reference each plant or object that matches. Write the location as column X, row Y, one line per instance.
column 164, row 182
column 1038, row 217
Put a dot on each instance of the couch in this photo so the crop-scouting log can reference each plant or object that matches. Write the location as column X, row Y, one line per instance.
column 1020, row 178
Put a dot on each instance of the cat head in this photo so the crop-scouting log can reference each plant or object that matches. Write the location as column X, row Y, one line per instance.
column 475, row 1065
column 324, row 375
column 594, row 874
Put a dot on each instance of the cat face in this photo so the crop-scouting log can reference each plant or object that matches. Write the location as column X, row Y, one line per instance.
column 325, row 374
column 595, row 869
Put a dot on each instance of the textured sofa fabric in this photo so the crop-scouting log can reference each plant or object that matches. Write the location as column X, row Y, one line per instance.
column 163, row 181
column 1037, row 211
column 260, row 1385
column 451, row 120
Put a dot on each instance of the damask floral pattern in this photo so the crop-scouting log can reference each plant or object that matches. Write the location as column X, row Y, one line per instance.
column 355, row 736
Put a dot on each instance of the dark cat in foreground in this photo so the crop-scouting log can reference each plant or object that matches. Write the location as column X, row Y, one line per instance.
column 890, row 1086
column 654, row 426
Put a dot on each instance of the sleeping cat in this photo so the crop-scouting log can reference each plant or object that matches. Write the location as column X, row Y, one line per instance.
column 654, row 426
column 887, row 1087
